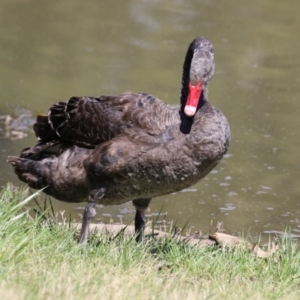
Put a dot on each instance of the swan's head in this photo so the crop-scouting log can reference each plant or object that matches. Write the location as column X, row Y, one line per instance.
column 201, row 69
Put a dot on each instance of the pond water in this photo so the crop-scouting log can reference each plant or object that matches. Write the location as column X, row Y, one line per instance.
column 50, row 51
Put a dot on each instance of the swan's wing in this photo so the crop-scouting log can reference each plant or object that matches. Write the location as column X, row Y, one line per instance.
column 86, row 120
column 113, row 157
column 150, row 114
column 90, row 121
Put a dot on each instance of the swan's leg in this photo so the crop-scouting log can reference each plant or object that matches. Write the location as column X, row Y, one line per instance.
column 88, row 215
column 140, row 220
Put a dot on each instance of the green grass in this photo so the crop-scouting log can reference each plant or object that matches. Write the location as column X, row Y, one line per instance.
column 40, row 259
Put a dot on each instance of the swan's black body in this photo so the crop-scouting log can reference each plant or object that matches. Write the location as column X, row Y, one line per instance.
column 113, row 149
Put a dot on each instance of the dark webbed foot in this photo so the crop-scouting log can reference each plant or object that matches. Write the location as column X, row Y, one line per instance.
column 140, row 220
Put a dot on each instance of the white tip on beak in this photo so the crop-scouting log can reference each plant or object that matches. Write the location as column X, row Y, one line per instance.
column 190, row 110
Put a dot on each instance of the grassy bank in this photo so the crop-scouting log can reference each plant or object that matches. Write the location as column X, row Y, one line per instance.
column 41, row 260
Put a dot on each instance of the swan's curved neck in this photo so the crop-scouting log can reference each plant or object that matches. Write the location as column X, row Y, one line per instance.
column 186, row 79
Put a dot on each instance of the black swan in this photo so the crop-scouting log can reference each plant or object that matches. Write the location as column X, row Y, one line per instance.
column 113, row 149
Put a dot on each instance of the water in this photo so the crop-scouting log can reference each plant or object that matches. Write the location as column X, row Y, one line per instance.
column 52, row 51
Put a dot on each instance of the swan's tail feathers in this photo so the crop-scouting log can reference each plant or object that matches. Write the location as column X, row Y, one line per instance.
column 29, row 171
column 41, row 148
column 43, row 130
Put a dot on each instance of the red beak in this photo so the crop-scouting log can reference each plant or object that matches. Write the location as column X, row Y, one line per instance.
column 193, row 98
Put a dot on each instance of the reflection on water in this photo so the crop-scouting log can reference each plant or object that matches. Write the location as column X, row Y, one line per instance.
column 16, row 126
column 52, row 51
